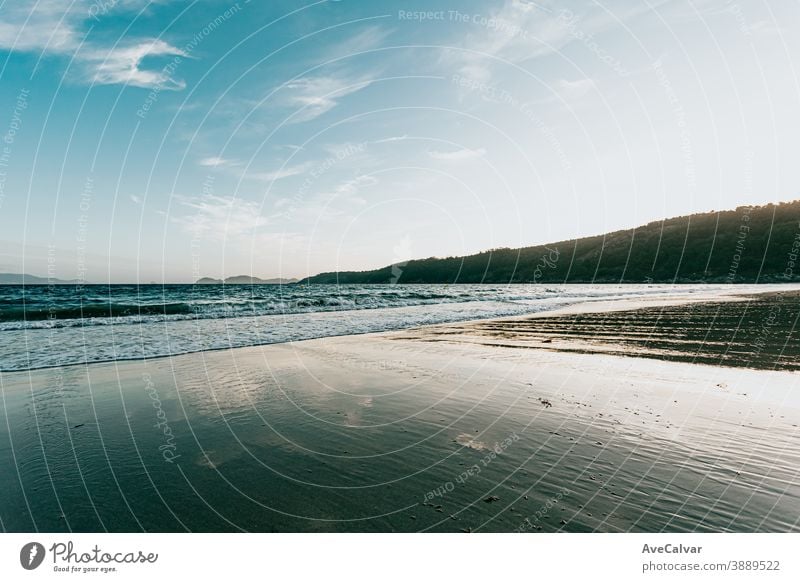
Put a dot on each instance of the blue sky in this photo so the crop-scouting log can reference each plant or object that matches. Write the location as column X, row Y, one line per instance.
column 161, row 141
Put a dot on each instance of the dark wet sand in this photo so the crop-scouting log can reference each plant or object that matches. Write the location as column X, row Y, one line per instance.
column 753, row 331
column 390, row 432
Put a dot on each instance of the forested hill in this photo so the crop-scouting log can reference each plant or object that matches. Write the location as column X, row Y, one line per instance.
column 746, row 245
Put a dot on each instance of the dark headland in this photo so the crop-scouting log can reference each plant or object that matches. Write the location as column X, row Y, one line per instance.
column 752, row 244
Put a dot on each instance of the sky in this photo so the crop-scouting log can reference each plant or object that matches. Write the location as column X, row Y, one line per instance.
column 168, row 140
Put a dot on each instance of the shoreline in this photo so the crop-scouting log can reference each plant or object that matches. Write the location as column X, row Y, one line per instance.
column 597, row 306
column 758, row 330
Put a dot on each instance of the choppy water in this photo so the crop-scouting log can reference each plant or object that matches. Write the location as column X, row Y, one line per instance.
column 44, row 326
column 35, row 307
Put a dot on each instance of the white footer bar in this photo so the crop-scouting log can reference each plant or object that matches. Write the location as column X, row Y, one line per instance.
column 402, row 557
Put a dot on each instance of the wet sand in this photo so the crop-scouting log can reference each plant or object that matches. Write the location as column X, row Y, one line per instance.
column 411, row 431
column 751, row 331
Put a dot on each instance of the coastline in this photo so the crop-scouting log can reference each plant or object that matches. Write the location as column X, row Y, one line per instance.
column 384, row 432
column 756, row 330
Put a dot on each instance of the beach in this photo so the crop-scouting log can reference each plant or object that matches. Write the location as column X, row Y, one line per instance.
column 531, row 423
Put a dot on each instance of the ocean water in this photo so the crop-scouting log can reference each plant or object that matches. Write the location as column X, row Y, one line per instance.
column 44, row 326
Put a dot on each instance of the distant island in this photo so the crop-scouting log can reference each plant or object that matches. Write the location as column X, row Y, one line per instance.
column 244, row 280
column 752, row 244
column 23, row 279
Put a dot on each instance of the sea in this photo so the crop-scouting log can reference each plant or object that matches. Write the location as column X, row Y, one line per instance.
column 45, row 326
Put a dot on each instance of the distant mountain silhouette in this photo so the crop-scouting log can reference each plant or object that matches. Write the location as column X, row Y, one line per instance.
column 747, row 245
column 244, row 280
column 22, row 279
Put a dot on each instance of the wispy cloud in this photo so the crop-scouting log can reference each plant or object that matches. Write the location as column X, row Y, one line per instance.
column 326, row 204
column 458, row 155
column 315, row 96
column 565, row 92
column 218, row 162
column 349, row 188
column 47, row 25
column 279, row 174
column 369, row 38
column 58, row 27
column 519, row 30
column 392, row 139
column 122, row 65
column 576, row 89
column 219, row 217
column 238, row 169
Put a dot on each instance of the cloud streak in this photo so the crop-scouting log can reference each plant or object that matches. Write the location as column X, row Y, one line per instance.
column 122, row 65
column 280, row 174
column 220, row 217
column 315, row 96
column 236, row 168
column 57, row 27
column 217, row 162
column 46, row 26
column 458, row 155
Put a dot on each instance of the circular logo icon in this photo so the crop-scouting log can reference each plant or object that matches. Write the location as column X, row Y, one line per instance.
column 31, row 555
